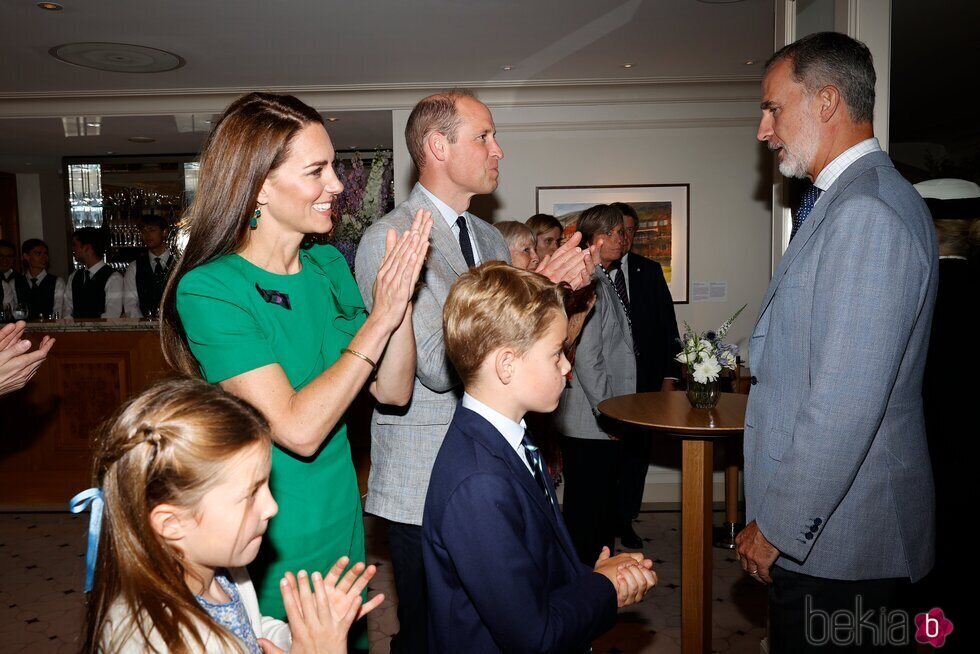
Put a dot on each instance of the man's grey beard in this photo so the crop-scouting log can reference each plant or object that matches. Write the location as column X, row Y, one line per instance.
column 796, row 161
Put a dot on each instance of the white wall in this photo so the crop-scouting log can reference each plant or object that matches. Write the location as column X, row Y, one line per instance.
column 41, row 213
column 694, row 134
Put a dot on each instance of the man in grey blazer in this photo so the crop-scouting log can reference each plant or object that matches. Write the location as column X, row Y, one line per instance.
column 604, row 366
column 451, row 138
column 838, row 487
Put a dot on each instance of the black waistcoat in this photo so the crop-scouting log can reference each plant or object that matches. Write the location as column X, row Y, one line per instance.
column 88, row 300
column 149, row 287
column 40, row 300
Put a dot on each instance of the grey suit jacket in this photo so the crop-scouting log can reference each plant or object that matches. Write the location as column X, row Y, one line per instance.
column 604, row 366
column 405, row 440
column 837, row 472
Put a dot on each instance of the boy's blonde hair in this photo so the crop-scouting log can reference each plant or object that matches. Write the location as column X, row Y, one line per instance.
column 170, row 444
column 496, row 305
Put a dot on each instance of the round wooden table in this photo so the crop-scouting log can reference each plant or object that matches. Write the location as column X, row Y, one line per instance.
column 671, row 413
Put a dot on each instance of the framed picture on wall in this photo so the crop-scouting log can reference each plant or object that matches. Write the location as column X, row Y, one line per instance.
column 664, row 229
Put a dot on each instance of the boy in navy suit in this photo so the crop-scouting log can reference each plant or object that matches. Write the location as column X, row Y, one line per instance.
column 502, row 572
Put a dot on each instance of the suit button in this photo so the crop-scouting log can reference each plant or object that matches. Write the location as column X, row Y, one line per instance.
column 814, row 529
column 808, row 536
column 753, row 380
column 817, row 521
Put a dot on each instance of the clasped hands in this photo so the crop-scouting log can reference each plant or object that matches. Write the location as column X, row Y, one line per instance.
column 630, row 573
column 17, row 362
column 319, row 619
column 755, row 554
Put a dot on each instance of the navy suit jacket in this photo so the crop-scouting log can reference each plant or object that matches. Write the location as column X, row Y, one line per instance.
column 654, row 323
column 502, row 572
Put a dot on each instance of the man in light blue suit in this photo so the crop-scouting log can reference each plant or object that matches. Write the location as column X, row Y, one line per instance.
column 838, row 487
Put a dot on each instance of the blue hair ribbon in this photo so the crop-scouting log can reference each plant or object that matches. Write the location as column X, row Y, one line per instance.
column 92, row 497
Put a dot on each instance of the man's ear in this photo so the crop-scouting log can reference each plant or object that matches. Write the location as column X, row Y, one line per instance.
column 437, row 145
column 504, row 361
column 829, row 103
column 169, row 521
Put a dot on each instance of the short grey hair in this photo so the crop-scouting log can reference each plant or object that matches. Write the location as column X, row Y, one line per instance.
column 832, row 58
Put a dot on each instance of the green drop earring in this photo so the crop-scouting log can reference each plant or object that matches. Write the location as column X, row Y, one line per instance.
column 254, row 220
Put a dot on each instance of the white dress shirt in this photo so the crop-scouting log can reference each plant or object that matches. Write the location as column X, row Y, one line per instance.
column 131, row 298
column 113, row 292
column 450, row 216
column 841, row 162
column 512, row 432
column 8, row 291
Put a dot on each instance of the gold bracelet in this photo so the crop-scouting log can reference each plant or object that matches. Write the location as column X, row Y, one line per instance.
column 370, row 362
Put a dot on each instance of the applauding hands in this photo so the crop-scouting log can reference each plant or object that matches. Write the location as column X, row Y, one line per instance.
column 320, row 618
column 569, row 264
column 17, row 362
column 400, row 268
column 630, row 573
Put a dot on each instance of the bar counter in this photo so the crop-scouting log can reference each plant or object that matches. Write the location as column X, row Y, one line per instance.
column 47, row 428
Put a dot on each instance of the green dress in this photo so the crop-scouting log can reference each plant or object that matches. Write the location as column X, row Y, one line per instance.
column 232, row 328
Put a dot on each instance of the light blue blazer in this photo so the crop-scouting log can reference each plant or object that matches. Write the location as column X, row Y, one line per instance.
column 837, row 472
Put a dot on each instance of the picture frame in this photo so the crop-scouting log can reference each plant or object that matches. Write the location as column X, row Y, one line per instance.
column 663, row 234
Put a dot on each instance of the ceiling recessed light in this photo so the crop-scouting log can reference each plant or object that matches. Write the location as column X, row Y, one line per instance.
column 116, row 57
column 332, row 119
column 110, row 152
column 141, row 139
column 506, row 68
column 49, row 6
column 627, row 65
column 749, row 62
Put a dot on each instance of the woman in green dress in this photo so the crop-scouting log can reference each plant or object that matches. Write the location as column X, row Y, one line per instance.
column 284, row 327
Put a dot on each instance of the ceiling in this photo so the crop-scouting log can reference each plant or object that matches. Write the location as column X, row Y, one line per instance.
column 300, row 44
column 335, row 47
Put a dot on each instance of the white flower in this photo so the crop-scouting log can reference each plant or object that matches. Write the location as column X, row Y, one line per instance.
column 705, row 346
column 706, row 370
column 686, row 357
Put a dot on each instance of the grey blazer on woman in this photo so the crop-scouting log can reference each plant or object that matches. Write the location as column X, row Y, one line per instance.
column 604, row 366
column 837, row 472
column 405, row 440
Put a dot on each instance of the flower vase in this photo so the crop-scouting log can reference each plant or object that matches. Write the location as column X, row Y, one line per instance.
column 703, row 396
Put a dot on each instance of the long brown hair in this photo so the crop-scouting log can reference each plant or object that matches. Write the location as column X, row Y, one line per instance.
column 167, row 445
column 250, row 140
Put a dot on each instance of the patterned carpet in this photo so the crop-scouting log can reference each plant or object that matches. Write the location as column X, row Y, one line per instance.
column 42, row 572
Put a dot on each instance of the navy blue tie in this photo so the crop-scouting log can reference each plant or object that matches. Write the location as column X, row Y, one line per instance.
column 533, row 456
column 806, row 206
column 464, row 242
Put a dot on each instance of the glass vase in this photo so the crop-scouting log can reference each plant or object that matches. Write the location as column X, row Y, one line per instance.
column 703, row 396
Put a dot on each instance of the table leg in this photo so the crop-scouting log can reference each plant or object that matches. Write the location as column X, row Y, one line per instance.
column 696, row 546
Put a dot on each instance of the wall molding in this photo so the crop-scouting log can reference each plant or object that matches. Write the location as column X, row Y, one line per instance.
column 372, row 97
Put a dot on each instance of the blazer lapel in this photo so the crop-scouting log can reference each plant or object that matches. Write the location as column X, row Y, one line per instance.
column 531, row 486
column 441, row 235
column 611, row 296
column 486, row 241
column 813, row 221
column 487, row 434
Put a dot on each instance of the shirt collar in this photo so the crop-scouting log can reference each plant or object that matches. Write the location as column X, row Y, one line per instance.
column 97, row 267
column 164, row 258
column 448, row 213
column 40, row 276
column 512, row 432
column 835, row 168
